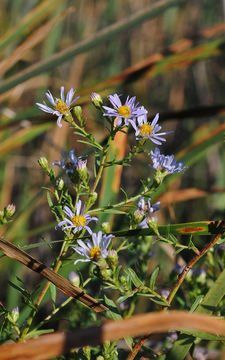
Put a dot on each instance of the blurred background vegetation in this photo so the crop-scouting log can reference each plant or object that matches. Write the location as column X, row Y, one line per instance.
column 170, row 54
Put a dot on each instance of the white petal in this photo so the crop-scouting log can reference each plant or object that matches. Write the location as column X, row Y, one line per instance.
column 62, row 93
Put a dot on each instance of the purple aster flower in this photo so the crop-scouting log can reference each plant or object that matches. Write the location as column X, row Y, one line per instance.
column 125, row 112
column 60, row 106
column 95, row 249
column 149, row 130
column 146, row 210
column 77, row 221
column 166, row 163
column 200, row 353
column 70, row 162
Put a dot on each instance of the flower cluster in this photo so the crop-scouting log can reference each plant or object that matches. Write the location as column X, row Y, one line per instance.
column 135, row 115
column 95, row 250
column 125, row 114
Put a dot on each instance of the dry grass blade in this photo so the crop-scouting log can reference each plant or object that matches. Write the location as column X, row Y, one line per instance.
column 49, row 346
column 60, row 282
column 35, row 38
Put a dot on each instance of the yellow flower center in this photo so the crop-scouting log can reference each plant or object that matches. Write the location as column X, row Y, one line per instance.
column 95, row 253
column 61, row 107
column 124, row 111
column 79, row 220
column 146, row 129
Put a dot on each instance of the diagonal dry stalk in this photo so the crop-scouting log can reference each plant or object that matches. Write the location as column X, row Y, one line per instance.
column 53, row 345
column 60, row 282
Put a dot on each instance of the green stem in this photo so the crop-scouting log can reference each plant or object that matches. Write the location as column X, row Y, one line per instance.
column 189, row 265
column 99, row 174
column 124, row 202
column 43, row 322
column 43, row 292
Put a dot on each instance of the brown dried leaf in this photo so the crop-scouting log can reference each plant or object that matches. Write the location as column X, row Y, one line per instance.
column 60, row 282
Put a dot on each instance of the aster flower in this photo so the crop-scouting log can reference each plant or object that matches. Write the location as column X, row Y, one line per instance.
column 95, row 249
column 146, row 209
column 149, row 130
column 166, row 163
column 77, row 221
column 125, row 112
column 60, row 106
column 70, row 162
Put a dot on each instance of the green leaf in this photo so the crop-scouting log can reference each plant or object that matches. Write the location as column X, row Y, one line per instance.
column 134, row 278
column 50, row 203
column 38, row 332
column 124, row 297
column 52, row 289
column 113, row 312
column 129, row 341
column 196, row 303
column 153, row 277
column 207, row 306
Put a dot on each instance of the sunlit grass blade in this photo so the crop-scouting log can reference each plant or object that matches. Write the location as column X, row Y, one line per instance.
column 85, row 45
column 112, row 175
column 36, row 37
column 22, row 136
column 29, row 22
column 180, row 54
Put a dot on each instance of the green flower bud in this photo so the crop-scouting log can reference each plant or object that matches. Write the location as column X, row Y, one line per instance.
column 9, row 210
column 92, row 199
column 74, row 278
column 138, row 216
column 112, row 258
column 78, row 113
column 105, row 227
column 82, row 170
column 15, row 314
column 60, row 184
column 43, row 162
column 96, row 100
column 153, row 224
column 159, row 176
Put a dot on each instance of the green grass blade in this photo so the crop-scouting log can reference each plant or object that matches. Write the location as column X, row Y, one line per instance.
column 22, row 136
column 191, row 228
column 101, row 36
column 29, row 22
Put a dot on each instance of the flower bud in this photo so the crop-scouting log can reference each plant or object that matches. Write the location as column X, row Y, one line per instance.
column 82, row 169
column 153, row 224
column 159, row 176
column 74, row 278
column 96, row 100
column 112, row 258
column 78, row 113
column 138, row 216
column 105, row 227
column 92, row 198
column 9, row 211
column 15, row 314
column 60, row 184
column 43, row 162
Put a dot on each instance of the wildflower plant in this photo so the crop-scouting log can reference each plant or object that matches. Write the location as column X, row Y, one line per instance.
column 110, row 262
